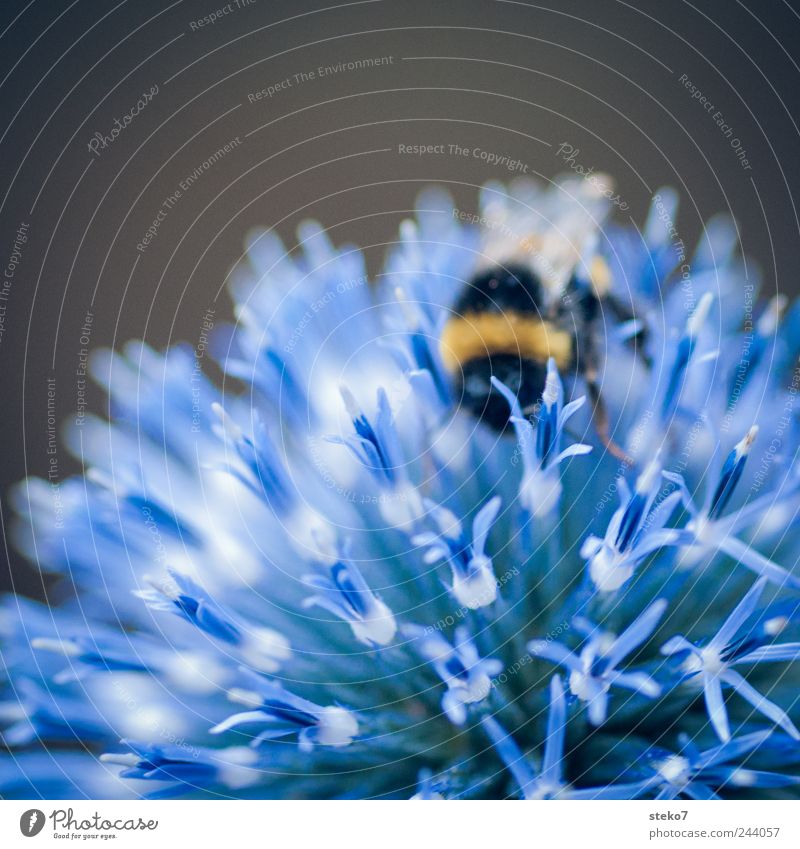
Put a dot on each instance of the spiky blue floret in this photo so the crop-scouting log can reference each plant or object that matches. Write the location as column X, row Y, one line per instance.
column 474, row 584
column 346, row 594
column 278, row 713
column 635, row 531
column 549, row 783
column 332, row 584
column 704, row 774
column 711, row 530
column 467, row 675
column 732, row 645
column 540, row 447
column 594, row 671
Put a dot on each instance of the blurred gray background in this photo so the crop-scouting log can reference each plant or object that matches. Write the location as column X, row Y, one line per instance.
column 700, row 96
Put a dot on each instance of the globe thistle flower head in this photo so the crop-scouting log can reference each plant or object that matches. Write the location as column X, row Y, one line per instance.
column 325, row 579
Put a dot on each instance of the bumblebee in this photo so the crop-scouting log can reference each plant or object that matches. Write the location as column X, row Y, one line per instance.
column 544, row 301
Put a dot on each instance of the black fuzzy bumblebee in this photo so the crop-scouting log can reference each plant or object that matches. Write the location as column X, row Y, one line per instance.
column 507, row 323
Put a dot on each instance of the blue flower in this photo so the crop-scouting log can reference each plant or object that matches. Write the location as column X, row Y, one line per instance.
column 540, row 447
column 635, row 531
column 99, row 652
column 377, row 447
column 263, row 648
column 279, row 713
column 474, row 583
column 684, row 351
column 323, row 579
column 672, row 379
column 594, row 671
column 180, row 770
column 714, row 660
column 549, row 783
column 711, row 529
column 700, row 774
column 346, row 594
column 467, row 675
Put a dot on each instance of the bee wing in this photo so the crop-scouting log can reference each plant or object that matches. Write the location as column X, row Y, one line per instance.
column 548, row 230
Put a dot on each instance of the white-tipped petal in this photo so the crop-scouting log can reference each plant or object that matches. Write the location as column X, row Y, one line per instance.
column 379, row 628
column 479, row 589
column 337, row 727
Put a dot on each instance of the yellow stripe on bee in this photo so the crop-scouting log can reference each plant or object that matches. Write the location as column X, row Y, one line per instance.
column 600, row 275
column 474, row 335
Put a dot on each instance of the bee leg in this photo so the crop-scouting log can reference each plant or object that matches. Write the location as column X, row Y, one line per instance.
column 600, row 420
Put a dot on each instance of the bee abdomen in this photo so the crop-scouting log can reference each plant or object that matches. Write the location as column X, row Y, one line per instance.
column 525, row 378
